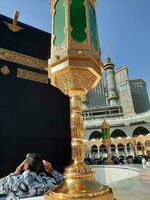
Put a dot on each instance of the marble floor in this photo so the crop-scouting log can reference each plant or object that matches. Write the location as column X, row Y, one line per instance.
column 136, row 188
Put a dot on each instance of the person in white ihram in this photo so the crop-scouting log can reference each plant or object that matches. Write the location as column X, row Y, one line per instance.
column 33, row 181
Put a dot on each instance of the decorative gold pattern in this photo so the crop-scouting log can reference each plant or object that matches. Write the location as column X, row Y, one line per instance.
column 13, row 28
column 22, row 59
column 134, row 141
column 5, row 70
column 74, row 78
column 30, row 75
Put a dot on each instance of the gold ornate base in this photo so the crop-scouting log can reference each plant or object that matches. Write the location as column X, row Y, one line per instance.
column 80, row 185
column 80, row 189
column 109, row 162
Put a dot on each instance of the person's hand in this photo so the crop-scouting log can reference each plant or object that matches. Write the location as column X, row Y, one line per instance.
column 48, row 166
column 20, row 168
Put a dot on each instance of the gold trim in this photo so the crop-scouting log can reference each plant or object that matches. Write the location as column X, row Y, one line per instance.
column 5, row 70
column 68, row 57
column 22, row 59
column 30, row 75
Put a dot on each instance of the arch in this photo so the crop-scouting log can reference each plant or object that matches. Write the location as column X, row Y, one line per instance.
column 94, row 151
column 95, row 135
column 130, row 148
column 113, row 147
column 121, row 149
column 113, row 150
column 121, row 146
column 102, row 148
column 118, row 133
column 140, row 131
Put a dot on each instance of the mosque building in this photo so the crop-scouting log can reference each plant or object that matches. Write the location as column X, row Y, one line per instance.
column 125, row 105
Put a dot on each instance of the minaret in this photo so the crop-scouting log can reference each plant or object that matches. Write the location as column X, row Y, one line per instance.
column 111, row 82
column 75, row 67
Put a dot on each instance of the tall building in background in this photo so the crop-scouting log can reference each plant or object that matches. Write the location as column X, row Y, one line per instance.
column 139, row 95
column 116, row 95
column 126, row 109
column 96, row 97
column 111, row 82
column 124, row 90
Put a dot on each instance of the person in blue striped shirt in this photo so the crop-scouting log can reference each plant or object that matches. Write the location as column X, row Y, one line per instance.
column 33, row 181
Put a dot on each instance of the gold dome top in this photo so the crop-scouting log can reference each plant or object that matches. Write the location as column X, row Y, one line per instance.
column 105, row 124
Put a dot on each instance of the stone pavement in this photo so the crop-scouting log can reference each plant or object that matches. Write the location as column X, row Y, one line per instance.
column 136, row 188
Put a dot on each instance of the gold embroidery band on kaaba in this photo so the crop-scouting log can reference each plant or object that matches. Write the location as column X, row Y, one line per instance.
column 33, row 76
column 22, row 59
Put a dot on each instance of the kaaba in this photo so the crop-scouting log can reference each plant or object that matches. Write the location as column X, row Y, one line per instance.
column 34, row 114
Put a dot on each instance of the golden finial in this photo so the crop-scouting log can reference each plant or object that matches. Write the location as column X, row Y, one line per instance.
column 13, row 27
column 105, row 124
column 15, row 19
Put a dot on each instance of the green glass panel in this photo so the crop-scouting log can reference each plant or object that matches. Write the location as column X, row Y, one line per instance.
column 78, row 20
column 108, row 133
column 93, row 27
column 105, row 133
column 59, row 23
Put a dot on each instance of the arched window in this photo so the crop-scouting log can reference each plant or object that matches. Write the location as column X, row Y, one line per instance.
column 102, row 148
column 94, row 149
column 121, row 147
column 140, row 131
column 118, row 133
column 113, row 148
column 130, row 147
column 95, row 135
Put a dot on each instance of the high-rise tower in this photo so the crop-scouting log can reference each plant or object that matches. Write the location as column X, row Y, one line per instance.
column 111, row 82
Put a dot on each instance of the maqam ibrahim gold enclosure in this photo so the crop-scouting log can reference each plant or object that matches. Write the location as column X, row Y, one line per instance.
column 75, row 67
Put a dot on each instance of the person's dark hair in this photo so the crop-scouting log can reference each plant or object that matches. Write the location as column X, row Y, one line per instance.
column 35, row 162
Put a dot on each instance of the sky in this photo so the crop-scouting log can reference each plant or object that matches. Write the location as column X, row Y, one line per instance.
column 123, row 25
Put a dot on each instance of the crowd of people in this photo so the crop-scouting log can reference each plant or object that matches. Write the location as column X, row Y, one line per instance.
column 35, row 176
column 117, row 160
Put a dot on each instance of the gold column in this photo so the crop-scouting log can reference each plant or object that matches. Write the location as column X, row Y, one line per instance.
column 135, row 150
column 75, row 67
column 106, row 140
column 107, row 143
column 79, row 182
column 143, row 150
